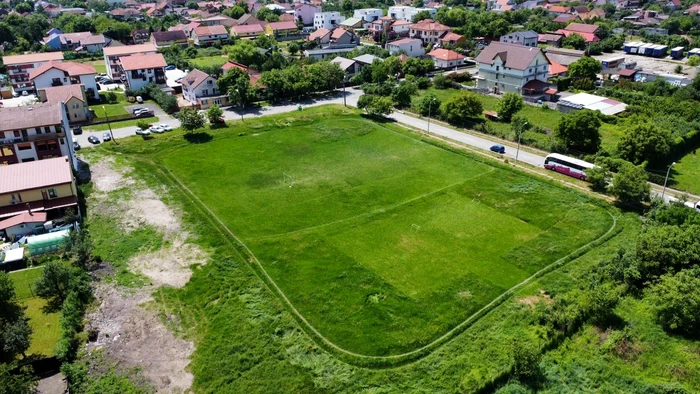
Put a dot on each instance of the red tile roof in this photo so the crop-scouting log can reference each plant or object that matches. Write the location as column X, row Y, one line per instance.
column 559, row 9
column 627, row 72
column 72, row 68
column 338, row 32
column 319, row 33
column 288, row 25
column 57, row 94
column 556, row 68
column 210, row 30
column 589, row 37
column 142, row 61
column 450, row 36
column 429, row 25
column 27, row 117
column 445, row 54
column 581, row 28
column 32, row 58
column 247, row 29
column 129, row 49
column 406, row 41
column 35, row 174
column 517, row 57
column 25, row 217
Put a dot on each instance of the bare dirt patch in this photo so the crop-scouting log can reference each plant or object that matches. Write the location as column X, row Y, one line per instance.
column 533, row 300
column 136, row 336
column 106, row 178
column 169, row 265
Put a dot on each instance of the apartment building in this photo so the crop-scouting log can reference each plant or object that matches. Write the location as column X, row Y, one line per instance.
column 513, row 68
column 65, row 73
column 327, row 20
column 165, row 39
column 412, row 47
column 204, row 35
column 368, row 14
column 113, row 55
column 20, row 66
column 526, row 38
column 35, row 132
column 139, row 70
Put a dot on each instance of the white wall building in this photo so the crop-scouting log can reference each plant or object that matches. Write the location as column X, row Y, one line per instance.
column 406, row 13
column 66, row 73
column 200, row 88
column 368, row 14
column 20, row 66
column 413, row 47
column 327, row 20
column 512, row 68
column 113, row 55
column 139, row 70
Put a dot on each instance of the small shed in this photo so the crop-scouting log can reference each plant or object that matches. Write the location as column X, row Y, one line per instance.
column 22, row 224
column 677, row 52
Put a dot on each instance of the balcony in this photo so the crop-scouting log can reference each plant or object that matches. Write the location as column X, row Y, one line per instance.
column 31, row 138
column 56, row 83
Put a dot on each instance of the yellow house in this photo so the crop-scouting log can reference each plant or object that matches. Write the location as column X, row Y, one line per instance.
column 37, row 186
column 72, row 96
column 281, row 29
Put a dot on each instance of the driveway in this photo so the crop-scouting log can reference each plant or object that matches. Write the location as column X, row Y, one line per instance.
column 19, row 101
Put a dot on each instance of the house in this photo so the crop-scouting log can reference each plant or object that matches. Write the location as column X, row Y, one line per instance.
column 204, row 35
column 401, row 28
column 35, row 132
column 140, row 36
column 584, row 30
column 352, row 24
column 327, row 20
column 187, row 28
column 165, row 39
column 55, row 73
column 594, row 13
column 217, row 20
column 512, row 68
column 550, row 39
column 592, row 102
column 281, row 29
column 139, row 70
column 74, row 98
column 365, row 60
column 340, row 36
column 413, row 11
column 322, row 36
column 579, row 10
column 446, row 58
column 558, row 10
column 368, row 14
column 380, row 27
column 406, row 13
column 248, row 19
column 42, row 187
column 452, row 39
column 565, row 18
column 16, row 227
column 124, row 13
column 200, row 89
column 74, row 41
column 428, row 31
column 247, row 31
column 526, row 38
column 94, row 43
column 288, row 18
column 412, row 47
column 20, row 66
column 673, row 4
column 252, row 73
column 304, row 13
column 349, row 66
column 326, row 53
column 557, row 70
column 113, row 55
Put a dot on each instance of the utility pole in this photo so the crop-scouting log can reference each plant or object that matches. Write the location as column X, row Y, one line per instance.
column 520, row 133
column 666, row 180
column 109, row 125
column 430, row 106
column 345, row 103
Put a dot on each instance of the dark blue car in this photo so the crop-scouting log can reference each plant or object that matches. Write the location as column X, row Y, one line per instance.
column 498, row 149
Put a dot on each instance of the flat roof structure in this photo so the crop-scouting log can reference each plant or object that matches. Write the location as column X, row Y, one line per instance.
column 595, row 103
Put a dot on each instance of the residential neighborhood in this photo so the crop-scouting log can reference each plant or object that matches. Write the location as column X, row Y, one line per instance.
column 313, row 196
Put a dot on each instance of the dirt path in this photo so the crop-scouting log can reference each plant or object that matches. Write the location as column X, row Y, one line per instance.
column 129, row 333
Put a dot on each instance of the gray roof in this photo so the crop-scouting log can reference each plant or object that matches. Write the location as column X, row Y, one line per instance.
column 526, row 33
column 327, row 51
column 366, row 59
column 518, row 57
column 343, row 62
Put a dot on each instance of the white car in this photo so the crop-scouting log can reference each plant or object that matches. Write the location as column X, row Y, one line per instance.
column 142, row 132
column 165, row 127
column 156, row 129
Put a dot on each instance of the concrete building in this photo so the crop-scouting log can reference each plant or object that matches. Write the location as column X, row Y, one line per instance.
column 526, row 38
column 35, row 132
column 401, row 28
column 165, row 39
column 113, row 55
column 59, row 41
column 368, row 14
column 305, row 13
column 446, row 58
column 74, row 98
column 204, row 35
column 327, row 20
column 512, row 68
column 53, row 74
column 322, row 36
column 327, row 53
column 428, row 31
column 406, row 13
column 349, row 66
column 281, row 29
column 412, row 47
column 20, row 66
column 139, row 70
column 200, row 89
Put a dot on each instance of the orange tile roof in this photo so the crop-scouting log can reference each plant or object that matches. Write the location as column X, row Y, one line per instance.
column 72, row 68
column 32, row 58
column 129, row 49
column 445, row 54
column 57, row 94
column 556, row 68
column 142, row 61
column 25, row 217
column 210, row 30
column 429, row 25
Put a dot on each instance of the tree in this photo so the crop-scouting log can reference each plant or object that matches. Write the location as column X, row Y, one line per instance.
column 14, row 326
column 191, row 119
column 54, row 283
column 16, row 382
column 72, row 23
column 579, row 131
column 678, row 69
column 235, row 12
column 215, row 114
column 24, row 7
column 293, row 48
column 461, row 107
column 676, row 301
column 429, row 104
column 694, row 61
column 422, row 15
column 630, row 184
column 143, row 125
column 401, row 95
column 375, row 105
column 645, row 142
column 440, row 81
column 574, row 41
column 267, row 15
column 246, row 53
column 80, row 247
column 509, row 105
column 526, row 361
column 585, row 67
column 598, row 177
column 237, row 83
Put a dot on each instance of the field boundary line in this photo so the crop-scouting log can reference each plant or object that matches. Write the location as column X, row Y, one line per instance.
column 413, row 355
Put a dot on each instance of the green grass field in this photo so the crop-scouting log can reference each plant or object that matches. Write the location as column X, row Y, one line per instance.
column 686, row 174
column 99, row 64
column 46, row 326
column 209, row 61
column 382, row 241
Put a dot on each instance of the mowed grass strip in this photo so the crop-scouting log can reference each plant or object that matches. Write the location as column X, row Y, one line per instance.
column 384, row 242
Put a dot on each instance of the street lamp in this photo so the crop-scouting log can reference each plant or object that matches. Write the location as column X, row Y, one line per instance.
column 666, row 180
column 240, row 102
column 520, row 133
column 109, row 125
column 430, row 105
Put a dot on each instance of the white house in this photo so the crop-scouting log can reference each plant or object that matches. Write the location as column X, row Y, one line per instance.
column 512, row 68
column 413, row 47
column 368, row 14
column 203, row 35
column 526, row 38
column 327, row 20
column 54, row 73
column 401, row 28
column 406, row 13
column 446, row 58
column 139, row 70
column 113, row 54
column 20, row 66
column 305, row 13
column 200, row 88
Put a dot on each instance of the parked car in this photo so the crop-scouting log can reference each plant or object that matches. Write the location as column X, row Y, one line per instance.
column 93, row 140
column 145, row 113
column 25, row 93
column 165, row 127
column 498, row 149
column 156, row 129
column 139, row 109
column 76, row 145
column 77, row 130
column 170, row 67
column 105, row 81
column 139, row 99
column 142, row 132
column 106, row 136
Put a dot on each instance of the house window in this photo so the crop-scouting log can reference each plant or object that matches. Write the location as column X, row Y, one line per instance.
column 37, row 130
column 47, row 129
column 52, row 193
column 16, row 133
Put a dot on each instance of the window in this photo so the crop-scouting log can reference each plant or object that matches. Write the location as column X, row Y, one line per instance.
column 37, row 130
column 24, row 146
column 16, row 133
column 61, row 141
column 52, row 193
column 47, row 129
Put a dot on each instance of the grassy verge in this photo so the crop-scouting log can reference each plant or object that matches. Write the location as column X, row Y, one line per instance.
column 209, row 61
column 686, row 173
column 120, row 124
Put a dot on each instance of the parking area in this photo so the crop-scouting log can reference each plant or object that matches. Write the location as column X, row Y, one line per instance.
column 19, row 101
column 653, row 65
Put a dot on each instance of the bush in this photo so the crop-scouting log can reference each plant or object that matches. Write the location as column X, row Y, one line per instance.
column 111, row 97
column 441, row 82
column 509, row 105
column 461, row 107
column 142, row 124
column 675, row 298
column 166, row 101
column 598, row 177
column 429, row 105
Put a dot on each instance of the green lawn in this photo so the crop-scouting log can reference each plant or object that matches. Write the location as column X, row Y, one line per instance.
column 209, row 61
column 46, row 326
column 686, row 174
column 120, row 124
column 99, row 65
column 382, row 241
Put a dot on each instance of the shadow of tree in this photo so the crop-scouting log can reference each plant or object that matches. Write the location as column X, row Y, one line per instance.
column 198, row 138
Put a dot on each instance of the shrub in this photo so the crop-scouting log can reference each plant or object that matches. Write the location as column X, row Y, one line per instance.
column 441, row 82
column 429, row 105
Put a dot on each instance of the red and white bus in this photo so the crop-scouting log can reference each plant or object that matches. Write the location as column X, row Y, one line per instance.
column 567, row 165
